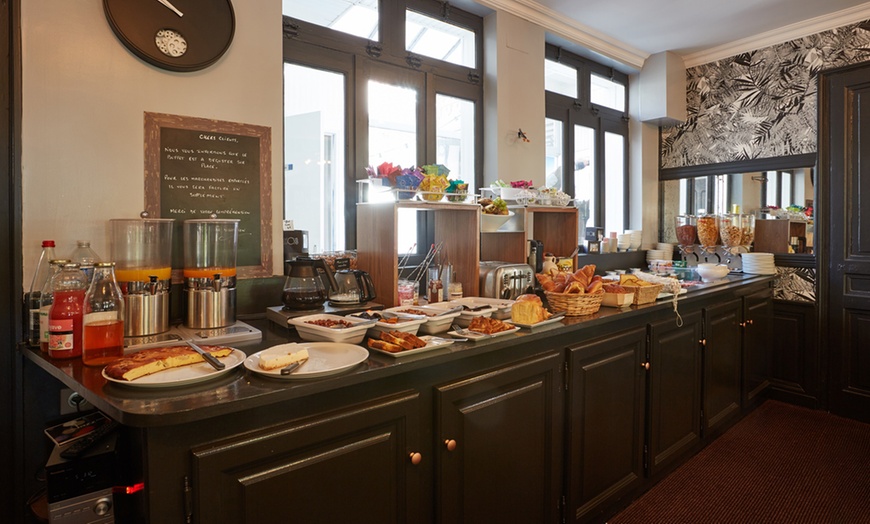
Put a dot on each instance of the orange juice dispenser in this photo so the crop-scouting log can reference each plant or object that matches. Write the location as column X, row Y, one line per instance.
column 142, row 252
column 210, row 247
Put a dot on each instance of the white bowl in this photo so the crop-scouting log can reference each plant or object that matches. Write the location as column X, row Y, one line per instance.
column 314, row 333
column 490, row 223
column 510, row 193
column 434, row 324
column 406, row 325
column 710, row 272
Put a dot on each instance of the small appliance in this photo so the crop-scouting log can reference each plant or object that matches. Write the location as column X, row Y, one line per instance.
column 352, row 286
column 79, row 490
column 295, row 243
column 304, row 288
column 210, row 248
column 142, row 252
column 505, row 280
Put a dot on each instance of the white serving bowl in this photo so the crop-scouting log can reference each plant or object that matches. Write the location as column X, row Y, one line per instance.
column 314, row 333
column 434, row 324
column 710, row 272
column 490, row 223
column 510, row 193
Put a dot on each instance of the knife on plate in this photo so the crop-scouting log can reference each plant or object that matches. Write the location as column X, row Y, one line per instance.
column 211, row 359
column 290, row 368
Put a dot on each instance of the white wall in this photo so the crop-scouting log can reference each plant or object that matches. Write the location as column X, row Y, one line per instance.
column 84, row 96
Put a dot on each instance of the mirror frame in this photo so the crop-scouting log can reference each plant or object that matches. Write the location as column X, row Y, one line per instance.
column 749, row 166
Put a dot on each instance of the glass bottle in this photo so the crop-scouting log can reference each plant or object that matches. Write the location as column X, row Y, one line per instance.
column 40, row 277
column 46, row 297
column 86, row 258
column 65, row 315
column 103, row 339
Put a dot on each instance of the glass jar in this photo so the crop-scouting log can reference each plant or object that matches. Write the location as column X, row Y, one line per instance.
column 686, row 230
column 103, row 337
column 708, row 230
column 731, row 229
column 65, row 315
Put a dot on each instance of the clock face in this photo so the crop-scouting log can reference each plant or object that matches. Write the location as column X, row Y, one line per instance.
column 178, row 35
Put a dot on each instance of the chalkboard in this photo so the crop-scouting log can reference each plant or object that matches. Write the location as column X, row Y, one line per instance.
column 196, row 168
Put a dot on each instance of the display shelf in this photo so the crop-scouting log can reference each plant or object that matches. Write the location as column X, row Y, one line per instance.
column 457, row 225
column 556, row 227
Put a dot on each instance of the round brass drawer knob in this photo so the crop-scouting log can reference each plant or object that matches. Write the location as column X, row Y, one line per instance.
column 416, row 458
column 450, row 444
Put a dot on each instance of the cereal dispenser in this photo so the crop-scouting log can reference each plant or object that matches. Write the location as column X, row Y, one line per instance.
column 142, row 252
column 210, row 247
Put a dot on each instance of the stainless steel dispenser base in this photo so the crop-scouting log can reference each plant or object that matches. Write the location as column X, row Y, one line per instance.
column 146, row 314
column 207, row 308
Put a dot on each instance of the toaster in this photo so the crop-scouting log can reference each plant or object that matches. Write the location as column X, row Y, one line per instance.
column 505, row 280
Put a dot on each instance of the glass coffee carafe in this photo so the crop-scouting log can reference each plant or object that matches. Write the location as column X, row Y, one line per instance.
column 303, row 287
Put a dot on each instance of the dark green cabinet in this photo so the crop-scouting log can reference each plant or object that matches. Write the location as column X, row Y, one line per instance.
column 723, row 364
column 674, row 400
column 499, row 444
column 605, row 422
column 351, row 465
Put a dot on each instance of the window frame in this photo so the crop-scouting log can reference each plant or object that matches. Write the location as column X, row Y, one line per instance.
column 581, row 111
column 361, row 59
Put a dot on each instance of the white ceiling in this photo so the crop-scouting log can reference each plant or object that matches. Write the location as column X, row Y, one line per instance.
column 627, row 31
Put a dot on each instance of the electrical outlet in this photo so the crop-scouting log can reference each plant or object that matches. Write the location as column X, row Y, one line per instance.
column 72, row 402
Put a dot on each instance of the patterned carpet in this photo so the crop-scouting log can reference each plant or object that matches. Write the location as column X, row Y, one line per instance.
column 781, row 464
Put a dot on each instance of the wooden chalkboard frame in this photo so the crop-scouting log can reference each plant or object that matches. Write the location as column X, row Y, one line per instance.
column 154, row 122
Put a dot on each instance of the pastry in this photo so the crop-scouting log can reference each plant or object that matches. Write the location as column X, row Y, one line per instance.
column 282, row 361
column 528, row 309
column 152, row 360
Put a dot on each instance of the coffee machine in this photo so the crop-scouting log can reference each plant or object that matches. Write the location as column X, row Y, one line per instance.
column 210, row 247
column 142, row 252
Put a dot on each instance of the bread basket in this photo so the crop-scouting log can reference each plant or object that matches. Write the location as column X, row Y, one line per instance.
column 644, row 294
column 575, row 304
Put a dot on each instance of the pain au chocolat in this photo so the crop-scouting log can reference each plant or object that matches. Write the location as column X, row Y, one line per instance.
column 152, row 360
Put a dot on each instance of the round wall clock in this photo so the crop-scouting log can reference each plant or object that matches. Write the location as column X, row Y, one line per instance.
column 178, row 35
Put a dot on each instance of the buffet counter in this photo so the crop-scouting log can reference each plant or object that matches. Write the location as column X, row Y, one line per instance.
column 623, row 394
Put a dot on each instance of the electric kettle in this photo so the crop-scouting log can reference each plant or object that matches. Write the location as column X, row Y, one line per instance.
column 303, row 288
column 353, row 286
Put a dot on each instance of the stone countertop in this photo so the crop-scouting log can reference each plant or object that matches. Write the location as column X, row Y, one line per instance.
column 240, row 389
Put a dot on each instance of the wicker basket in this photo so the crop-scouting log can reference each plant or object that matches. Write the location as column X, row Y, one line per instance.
column 575, row 304
column 644, row 294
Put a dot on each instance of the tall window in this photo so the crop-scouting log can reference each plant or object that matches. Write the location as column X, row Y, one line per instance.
column 587, row 134
column 368, row 82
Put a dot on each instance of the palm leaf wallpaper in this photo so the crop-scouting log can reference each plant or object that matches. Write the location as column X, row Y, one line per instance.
column 760, row 104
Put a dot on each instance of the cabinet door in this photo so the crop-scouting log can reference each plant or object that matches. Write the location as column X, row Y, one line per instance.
column 723, row 363
column 757, row 344
column 347, row 466
column 606, row 387
column 500, row 440
column 674, row 389
column 795, row 375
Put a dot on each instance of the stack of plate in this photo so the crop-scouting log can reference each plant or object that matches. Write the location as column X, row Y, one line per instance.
column 668, row 249
column 658, row 254
column 758, row 263
column 634, row 238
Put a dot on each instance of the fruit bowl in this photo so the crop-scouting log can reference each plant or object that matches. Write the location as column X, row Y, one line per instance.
column 490, row 223
column 710, row 272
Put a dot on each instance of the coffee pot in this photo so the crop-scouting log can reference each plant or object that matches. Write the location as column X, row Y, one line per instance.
column 353, row 286
column 303, row 287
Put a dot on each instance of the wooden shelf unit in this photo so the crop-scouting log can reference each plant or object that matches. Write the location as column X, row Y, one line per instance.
column 456, row 225
column 557, row 227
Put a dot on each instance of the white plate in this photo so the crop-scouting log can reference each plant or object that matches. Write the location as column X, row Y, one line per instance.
column 474, row 337
column 183, row 375
column 503, row 306
column 324, row 358
column 539, row 324
column 465, row 317
column 431, row 343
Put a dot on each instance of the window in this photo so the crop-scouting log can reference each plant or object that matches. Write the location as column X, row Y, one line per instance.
column 587, row 129
column 355, row 97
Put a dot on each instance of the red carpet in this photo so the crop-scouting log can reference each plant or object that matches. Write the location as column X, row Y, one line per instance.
column 781, row 464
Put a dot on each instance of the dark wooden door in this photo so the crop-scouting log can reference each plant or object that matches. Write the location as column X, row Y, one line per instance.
column 351, row 465
column 844, row 143
column 674, row 390
column 723, row 364
column 606, row 388
column 500, row 440
column 757, row 345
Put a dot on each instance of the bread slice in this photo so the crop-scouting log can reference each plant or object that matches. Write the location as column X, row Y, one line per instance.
column 383, row 345
column 282, row 361
column 152, row 360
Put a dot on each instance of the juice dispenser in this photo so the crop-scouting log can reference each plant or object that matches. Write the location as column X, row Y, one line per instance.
column 210, row 247
column 142, row 252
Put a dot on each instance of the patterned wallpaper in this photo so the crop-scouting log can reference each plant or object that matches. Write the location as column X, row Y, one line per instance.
column 759, row 104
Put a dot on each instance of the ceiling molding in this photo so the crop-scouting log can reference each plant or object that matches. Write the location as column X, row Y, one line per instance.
column 559, row 25
column 778, row 36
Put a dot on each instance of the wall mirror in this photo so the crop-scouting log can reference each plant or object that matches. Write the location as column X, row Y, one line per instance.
column 765, row 188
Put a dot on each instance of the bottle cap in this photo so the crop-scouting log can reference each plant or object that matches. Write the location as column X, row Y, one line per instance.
column 48, row 243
